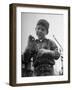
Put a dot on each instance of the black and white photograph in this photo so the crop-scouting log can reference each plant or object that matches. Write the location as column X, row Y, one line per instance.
column 42, row 44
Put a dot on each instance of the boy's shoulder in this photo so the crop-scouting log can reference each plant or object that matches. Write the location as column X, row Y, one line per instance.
column 51, row 41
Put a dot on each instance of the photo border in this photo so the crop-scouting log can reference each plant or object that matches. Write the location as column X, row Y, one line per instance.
column 12, row 62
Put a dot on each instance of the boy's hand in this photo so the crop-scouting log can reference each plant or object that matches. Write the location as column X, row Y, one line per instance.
column 42, row 51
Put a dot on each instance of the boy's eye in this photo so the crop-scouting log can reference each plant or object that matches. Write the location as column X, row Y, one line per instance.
column 38, row 28
column 41, row 29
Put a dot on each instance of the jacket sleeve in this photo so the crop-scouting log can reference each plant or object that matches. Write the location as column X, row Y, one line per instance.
column 55, row 49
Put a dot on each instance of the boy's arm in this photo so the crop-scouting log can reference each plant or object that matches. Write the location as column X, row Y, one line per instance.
column 54, row 48
column 53, row 52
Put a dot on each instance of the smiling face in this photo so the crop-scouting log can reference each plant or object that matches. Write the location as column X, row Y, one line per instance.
column 41, row 31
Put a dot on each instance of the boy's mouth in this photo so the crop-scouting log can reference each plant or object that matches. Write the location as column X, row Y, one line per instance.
column 40, row 36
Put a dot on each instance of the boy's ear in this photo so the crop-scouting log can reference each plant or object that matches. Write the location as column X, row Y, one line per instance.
column 35, row 28
column 46, row 32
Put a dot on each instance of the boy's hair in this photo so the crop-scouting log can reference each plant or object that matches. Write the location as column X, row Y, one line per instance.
column 44, row 23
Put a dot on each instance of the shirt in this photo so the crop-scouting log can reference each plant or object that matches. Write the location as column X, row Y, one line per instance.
column 35, row 45
column 46, row 58
column 44, row 62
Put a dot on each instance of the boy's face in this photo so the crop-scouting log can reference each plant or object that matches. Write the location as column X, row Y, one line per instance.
column 41, row 31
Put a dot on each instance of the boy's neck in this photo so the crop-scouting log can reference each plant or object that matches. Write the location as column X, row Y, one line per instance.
column 42, row 39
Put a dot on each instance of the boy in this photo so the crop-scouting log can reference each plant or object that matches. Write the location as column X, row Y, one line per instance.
column 42, row 51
